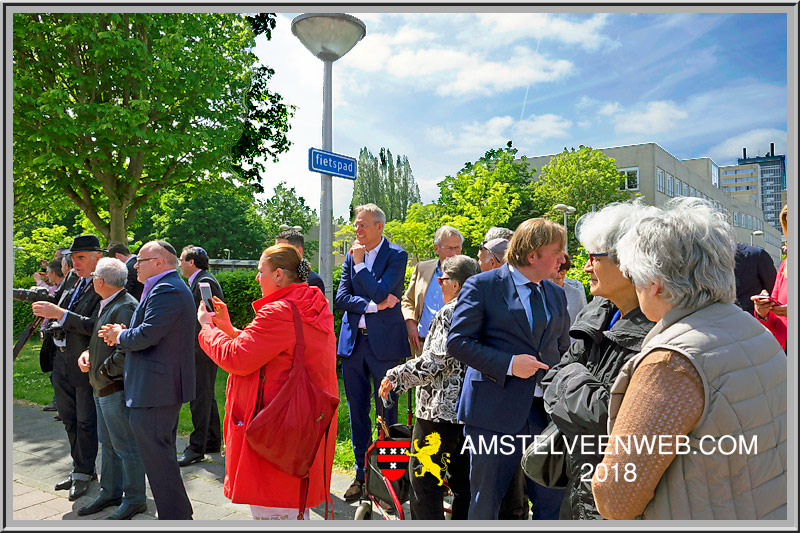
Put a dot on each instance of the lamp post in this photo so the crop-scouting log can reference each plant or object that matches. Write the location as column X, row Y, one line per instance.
column 564, row 208
column 227, row 251
column 328, row 36
column 756, row 232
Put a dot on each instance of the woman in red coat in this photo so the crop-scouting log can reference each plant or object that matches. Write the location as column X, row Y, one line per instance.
column 269, row 339
column 770, row 309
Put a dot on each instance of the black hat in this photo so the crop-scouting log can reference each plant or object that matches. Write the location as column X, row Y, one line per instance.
column 85, row 243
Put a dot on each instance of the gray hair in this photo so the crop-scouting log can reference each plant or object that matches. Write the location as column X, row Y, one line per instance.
column 377, row 212
column 689, row 248
column 444, row 232
column 496, row 232
column 600, row 231
column 460, row 267
column 112, row 270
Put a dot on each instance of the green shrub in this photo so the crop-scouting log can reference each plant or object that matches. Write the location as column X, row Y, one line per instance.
column 240, row 289
column 579, row 260
column 21, row 311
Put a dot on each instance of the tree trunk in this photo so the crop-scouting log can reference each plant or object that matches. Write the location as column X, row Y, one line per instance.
column 118, row 233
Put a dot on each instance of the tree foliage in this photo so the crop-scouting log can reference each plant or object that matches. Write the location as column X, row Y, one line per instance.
column 112, row 108
column 40, row 243
column 415, row 233
column 285, row 207
column 385, row 181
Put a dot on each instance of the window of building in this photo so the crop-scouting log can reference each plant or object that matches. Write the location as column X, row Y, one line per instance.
column 692, row 192
column 659, row 179
column 629, row 179
column 669, row 184
column 735, row 218
column 685, row 189
column 678, row 189
column 714, row 174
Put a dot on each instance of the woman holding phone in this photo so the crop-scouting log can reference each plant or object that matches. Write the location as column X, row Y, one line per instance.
column 770, row 310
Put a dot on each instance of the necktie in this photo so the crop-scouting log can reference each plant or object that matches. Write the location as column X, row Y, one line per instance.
column 538, row 313
column 77, row 294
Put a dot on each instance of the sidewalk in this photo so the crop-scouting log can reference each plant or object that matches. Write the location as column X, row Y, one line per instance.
column 41, row 459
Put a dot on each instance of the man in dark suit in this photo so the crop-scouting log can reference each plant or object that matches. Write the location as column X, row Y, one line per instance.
column 73, row 391
column 373, row 337
column 295, row 238
column 207, row 434
column 121, row 468
column 754, row 272
column 510, row 324
column 159, row 371
column 132, row 285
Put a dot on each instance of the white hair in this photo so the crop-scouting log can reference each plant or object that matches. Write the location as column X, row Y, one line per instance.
column 600, row 231
column 377, row 212
column 689, row 248
column 445, row 232
column 112, row 271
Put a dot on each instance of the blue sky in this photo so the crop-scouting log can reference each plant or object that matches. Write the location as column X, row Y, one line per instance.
column 442, row 88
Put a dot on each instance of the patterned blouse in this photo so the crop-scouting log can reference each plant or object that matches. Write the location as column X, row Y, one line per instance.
column 437, row 375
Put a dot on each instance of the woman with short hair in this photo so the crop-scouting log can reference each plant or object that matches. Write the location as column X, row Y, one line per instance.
column 438, row 378
column 707, row 371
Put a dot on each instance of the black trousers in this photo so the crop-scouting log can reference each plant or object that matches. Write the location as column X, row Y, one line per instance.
column 79, row 415
column 154, row 429
column 207, row 433
column 426, row 493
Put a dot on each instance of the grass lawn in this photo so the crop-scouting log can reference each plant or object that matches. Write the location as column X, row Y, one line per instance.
column 31, row 384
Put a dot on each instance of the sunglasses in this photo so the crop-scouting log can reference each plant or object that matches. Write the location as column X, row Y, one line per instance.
column 592, row 257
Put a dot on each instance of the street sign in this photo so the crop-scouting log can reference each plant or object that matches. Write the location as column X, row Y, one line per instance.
column 330, row 163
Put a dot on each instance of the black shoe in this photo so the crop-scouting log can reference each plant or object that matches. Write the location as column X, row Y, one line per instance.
column 98, row 505
column 50, row 406
column 64, row 484
column 355, row 491
column 56, row 417
column 189, row 457
column 78, row 489
column 126, row 512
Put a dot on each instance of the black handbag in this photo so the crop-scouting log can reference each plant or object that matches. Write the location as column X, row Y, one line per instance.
column 545, row 459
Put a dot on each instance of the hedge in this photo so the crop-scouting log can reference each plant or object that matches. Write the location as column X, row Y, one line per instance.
column 21, row 312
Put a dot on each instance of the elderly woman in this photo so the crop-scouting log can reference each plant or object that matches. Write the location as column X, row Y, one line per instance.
column 269, row 340
column 607, row 333
column 438, row 379
column 770, row 310
column 707, row 371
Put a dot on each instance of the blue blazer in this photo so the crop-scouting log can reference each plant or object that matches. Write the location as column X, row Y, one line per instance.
column 159, row 367
column 386, row 330
column 489, row 327
column 754, row 272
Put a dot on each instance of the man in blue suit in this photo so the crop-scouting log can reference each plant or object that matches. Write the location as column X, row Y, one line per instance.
column 159, row 371
column 510, row 325
column 373, row 337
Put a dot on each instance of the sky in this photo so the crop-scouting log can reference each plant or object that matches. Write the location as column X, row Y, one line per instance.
column 443, row 88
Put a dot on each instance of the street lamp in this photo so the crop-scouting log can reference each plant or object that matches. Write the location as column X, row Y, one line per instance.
column 756, row 232
column 328, row 36
column 564, row 208
column 226, row 250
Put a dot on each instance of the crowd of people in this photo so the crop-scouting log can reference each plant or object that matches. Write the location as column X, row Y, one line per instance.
column 684, row 337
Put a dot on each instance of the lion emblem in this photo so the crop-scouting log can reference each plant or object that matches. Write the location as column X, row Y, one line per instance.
column 432, row 444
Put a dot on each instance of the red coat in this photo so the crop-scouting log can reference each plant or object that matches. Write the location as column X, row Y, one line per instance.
column 269, row 339
column 778, row 324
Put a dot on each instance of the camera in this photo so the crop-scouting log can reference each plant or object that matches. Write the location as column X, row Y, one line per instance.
column 36, row 295
column 55, row 329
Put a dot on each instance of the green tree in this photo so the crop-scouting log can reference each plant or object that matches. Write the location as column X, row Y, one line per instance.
column 415, row 234
column 579, row 178
column 112, row 108
column 285, row 207
column 385, row 181
column 39, row 243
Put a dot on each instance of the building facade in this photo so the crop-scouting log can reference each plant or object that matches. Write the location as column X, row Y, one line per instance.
column 657, row 176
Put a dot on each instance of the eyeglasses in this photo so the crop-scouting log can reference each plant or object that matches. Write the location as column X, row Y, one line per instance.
column 451, row 248
column 441, row 279
column 139, row 260
column 592, row 257
column 93, row 275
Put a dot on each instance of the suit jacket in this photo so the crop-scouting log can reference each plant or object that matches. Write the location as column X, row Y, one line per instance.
column 386, row 330
column 314, row 280
column 159, row 367
column 78, row 326
column 754, row 272
column 414, row 297
column 489, row 327
column 133, row 285
column 48, row 350
column 117, row 311
column 200, row 356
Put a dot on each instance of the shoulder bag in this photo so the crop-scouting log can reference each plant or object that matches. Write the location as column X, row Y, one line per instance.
column 545, row 459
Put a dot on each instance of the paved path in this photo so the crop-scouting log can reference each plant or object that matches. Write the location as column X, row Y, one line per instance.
column 41, row 459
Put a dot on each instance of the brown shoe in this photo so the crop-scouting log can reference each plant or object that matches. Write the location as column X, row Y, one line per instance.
column 386, row 506
column 355, row 491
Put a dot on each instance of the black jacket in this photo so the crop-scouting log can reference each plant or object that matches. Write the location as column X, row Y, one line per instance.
column 576, row 391
column 117, row 311
column 78, row 326
column 754, row 271
column 200, row 356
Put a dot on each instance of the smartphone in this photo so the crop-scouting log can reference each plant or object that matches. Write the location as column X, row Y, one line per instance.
column 205, row 294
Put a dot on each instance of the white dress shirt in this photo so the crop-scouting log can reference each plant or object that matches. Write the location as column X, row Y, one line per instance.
column 369, row 260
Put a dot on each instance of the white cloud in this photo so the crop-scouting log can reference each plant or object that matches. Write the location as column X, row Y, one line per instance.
column 610, row 108
column 505, row 28
column 585, row 124
column 653, row 117
column 756, row 141
column 586, row 102
column 536, row 128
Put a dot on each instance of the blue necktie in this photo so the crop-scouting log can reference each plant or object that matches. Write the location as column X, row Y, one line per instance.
column 77, row 294
column 538, row 313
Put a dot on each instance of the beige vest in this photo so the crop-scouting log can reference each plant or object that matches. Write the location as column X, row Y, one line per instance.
column 743, row 369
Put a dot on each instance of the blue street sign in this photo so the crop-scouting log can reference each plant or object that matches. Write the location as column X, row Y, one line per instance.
column 330, row 163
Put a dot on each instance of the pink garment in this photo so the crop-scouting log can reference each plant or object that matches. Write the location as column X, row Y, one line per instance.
column 777, row 324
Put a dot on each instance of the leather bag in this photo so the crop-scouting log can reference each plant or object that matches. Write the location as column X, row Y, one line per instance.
column 287, row 432
column 545, row 459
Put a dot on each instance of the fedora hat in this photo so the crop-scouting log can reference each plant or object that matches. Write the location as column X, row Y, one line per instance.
column 85, row 243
